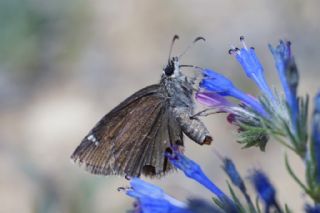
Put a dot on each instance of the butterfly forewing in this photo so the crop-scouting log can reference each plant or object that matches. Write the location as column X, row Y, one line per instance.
column 132, row 138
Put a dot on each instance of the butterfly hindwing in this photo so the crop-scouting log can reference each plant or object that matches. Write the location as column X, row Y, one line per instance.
column 132, row 138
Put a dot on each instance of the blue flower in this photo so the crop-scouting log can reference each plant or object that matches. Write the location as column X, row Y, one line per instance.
column 288, row 74
column 232, row 172
column 264, row 188
column 152, row 199
column 252, row 67
column 312, row 209
column 192, row 170
column 316, row 134
column 217, row 83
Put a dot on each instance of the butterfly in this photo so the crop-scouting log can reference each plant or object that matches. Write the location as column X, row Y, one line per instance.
column 132, row 139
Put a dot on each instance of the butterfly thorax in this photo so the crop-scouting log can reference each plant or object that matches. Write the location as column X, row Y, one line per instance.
column 179, row 91
column 177, row 87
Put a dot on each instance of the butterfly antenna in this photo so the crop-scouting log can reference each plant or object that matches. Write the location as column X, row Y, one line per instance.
column 191, row 45
column 175, row 37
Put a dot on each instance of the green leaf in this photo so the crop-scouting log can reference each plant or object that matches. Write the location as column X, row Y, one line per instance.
column 217, row 202
column 310, row 174
column 258, row 205
column 253, row 136
column 286, row 209
column 303, row 119
column 235, row 199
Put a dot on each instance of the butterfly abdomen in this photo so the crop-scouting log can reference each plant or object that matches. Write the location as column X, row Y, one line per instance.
column 192, row 126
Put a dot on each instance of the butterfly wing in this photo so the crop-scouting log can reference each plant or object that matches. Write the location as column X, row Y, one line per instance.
column 132, row 138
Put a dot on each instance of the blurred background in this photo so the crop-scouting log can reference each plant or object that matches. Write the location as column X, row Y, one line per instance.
column 64, row 64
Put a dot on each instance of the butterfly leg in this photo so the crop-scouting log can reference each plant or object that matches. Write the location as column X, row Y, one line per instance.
column 204, row 113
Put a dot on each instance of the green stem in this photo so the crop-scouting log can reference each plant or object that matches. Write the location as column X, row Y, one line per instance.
column 299, row 182
column 285, row 143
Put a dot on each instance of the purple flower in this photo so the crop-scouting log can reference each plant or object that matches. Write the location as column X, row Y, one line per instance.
column 252, row 67
column 288, row 74
column 213, row 100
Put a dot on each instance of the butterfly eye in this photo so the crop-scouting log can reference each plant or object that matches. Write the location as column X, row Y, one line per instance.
column 169, row 69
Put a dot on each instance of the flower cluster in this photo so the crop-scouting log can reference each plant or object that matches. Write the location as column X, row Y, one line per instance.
column 265, row 116
column 280, row 114
column 152, row 199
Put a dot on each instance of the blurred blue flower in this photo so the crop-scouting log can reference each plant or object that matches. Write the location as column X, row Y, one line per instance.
column 201, row 206
column 316, row 134
column 216, row 83
column 252, row 67
column 288, row 74
column 231, row 170
column 264, row 188
column 312, row 209
column 234, row 175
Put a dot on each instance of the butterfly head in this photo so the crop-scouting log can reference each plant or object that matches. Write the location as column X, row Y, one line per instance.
column 173, row 67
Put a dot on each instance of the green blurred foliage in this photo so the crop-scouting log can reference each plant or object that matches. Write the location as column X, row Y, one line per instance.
column 32, row 32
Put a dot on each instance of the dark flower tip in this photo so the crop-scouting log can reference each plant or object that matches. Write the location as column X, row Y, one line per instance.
column 230, row 51
column 231, row 118
column 234, row 51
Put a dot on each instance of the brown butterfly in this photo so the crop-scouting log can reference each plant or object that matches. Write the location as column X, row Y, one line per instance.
column 132, row 139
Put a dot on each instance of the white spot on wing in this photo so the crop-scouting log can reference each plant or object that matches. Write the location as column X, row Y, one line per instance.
column 93, row 139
